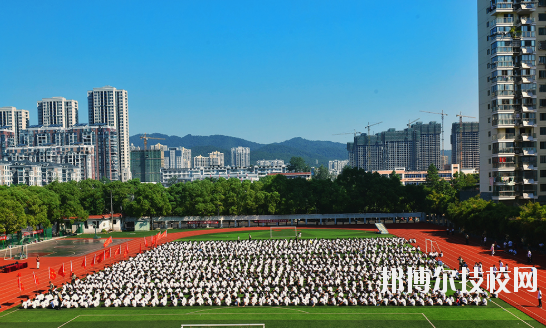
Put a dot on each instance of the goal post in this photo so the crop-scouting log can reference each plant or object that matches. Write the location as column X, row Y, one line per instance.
column 283, row 232
column 431, row 246
column 259, row 325
column 16, row 252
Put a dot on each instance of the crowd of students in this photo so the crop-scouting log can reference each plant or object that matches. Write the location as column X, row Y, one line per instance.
column 288, row 272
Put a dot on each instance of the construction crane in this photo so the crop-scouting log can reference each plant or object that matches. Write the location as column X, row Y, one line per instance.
column 355, row 133
column 368, row 127
column 145, row 137
column 409, row 123
column 460, row 143
column 443, row 114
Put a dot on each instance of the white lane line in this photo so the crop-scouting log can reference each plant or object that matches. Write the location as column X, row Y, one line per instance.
column 512, row 314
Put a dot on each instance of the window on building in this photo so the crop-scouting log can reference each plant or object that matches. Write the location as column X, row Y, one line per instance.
column 543, row 173
column 543, row 131
column 490, row 161
column 488, row 92
column 542, row 17
column 542, row 74
column 543, row 187
column 542, row 102
column 543, row 116
column 489, row 146
column 542, row 145
column 542, row 159
column 542, row 31
column 488, row 51
column 489, row 133
column 542, row 88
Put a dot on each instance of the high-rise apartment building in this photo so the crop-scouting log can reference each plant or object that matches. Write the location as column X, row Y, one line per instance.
column 108, row 105
column 15, row 118
column 240, row 156
column 7, row 139
column 511, row 63
column 413, row 148
column 92, row 148
column 201, row 161
column 177, row 158
column 146, row 165
column 465, row 144
column 57, row 111
column 337, row 165
column 216, row 159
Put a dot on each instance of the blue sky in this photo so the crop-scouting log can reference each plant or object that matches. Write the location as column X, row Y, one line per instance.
column 265, row 71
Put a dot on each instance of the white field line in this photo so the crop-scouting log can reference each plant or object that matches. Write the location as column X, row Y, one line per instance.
column 76, row 317
column 241, row 313
column 276, row 307
column 512, row 314
column 428, row 320
column 8, row 313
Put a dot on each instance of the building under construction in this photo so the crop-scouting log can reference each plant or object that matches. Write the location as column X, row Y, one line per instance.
column 146, row 165
column 413, row 148
column 465, row 143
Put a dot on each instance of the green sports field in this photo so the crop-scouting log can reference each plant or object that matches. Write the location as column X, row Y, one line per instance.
column 494, row 315
column 284, row 233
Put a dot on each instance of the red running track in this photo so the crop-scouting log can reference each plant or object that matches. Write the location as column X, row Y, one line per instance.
column 452, row 247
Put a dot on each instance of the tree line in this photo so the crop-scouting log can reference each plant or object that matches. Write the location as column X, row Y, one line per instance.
column 353, row 191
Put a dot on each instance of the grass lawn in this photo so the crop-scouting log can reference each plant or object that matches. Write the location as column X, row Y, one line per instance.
column 299, row 316
column 283, row 233
column 496, row 314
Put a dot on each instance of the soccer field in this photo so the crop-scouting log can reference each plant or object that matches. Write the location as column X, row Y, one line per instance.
column 283, row 233
column 495, row 315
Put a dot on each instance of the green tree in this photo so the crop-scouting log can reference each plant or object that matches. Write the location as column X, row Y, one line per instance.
column 322, row 173
column 70, row 198
column 531, row 212
column 433, row 178
column 92, row 196
column 12, row 214
column 149, row 200
column 35, row 208
column 462, row 181
column 297, row 164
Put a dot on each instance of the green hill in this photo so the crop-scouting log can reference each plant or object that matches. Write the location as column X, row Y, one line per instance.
column 311, row 151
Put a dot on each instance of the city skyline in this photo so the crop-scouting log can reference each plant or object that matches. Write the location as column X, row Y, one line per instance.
column 312, row 64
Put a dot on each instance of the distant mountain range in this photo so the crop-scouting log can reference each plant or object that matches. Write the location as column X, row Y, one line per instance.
column 315, row 153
